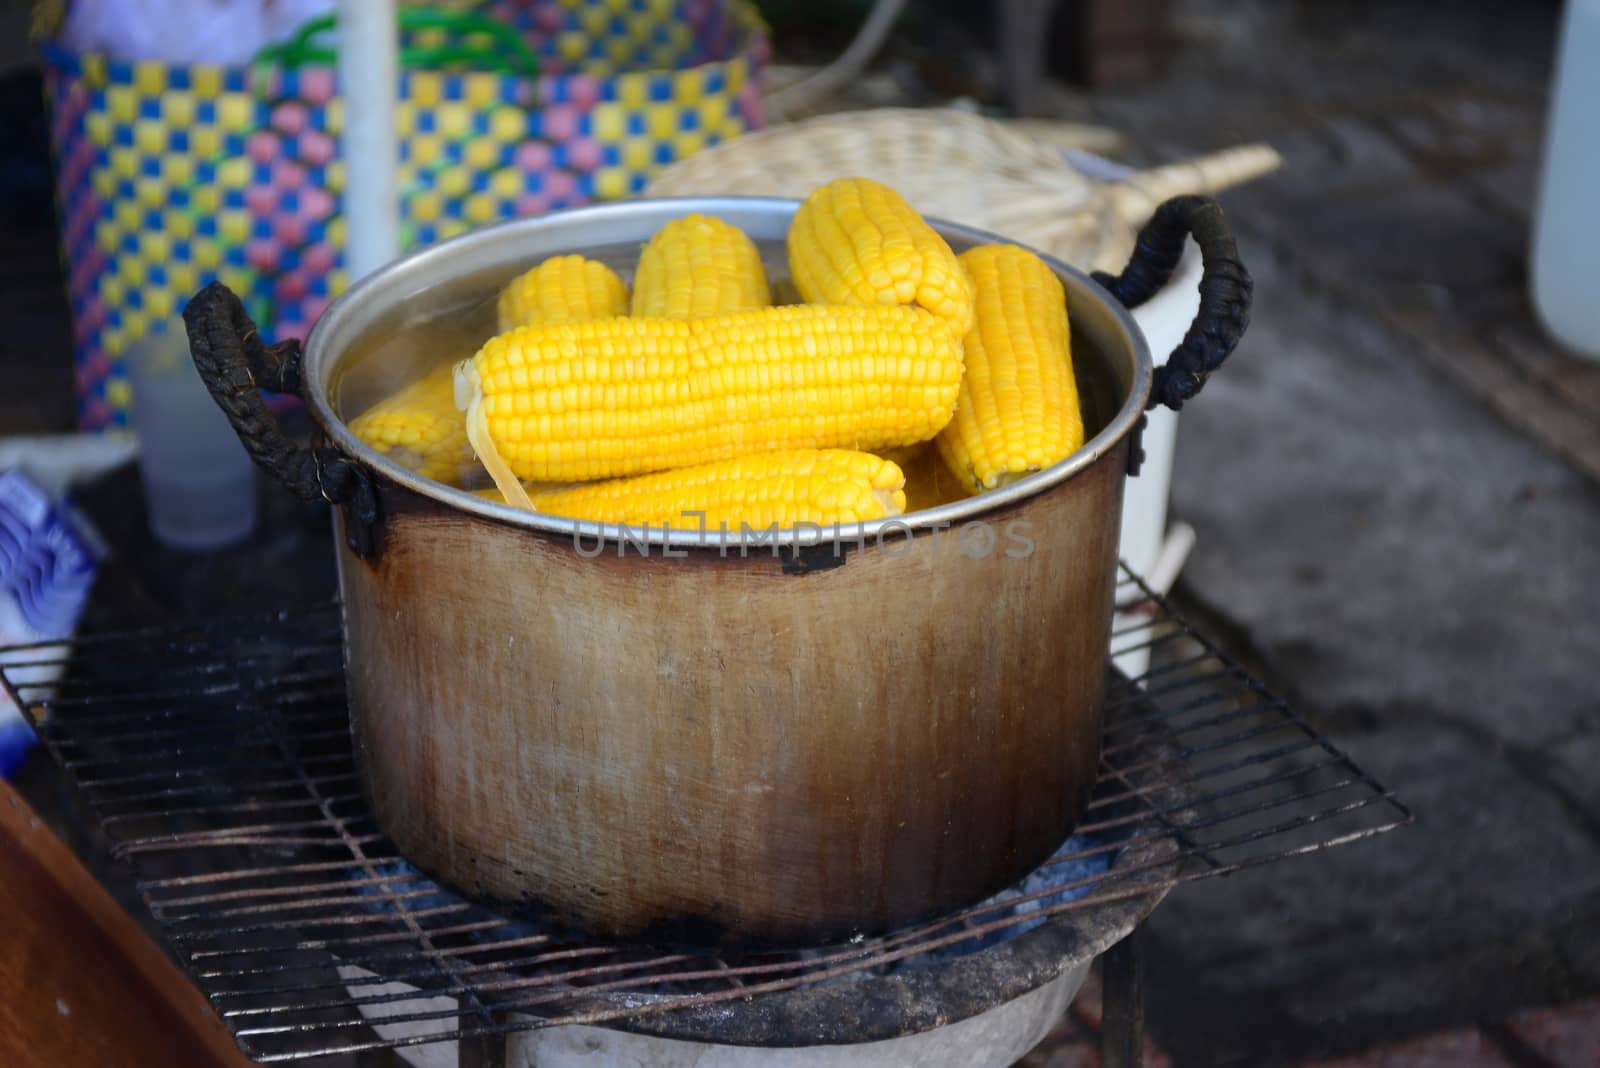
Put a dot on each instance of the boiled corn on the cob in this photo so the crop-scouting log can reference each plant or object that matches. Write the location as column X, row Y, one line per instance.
column 698, row 266
column 615, row 397
column 820, row 486
column 562, row 289
column 420, row 427
column 1018, row 410
column 856, row 241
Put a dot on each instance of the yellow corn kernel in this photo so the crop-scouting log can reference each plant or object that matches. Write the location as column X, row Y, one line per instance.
column 420, row 428
column 757, row 490
column 1018, row 410
column 698, row 266
column 607, row 398
column 856, row 241
column 562, row 289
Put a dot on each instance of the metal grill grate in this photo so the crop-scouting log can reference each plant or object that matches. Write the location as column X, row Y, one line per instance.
column 218, row 761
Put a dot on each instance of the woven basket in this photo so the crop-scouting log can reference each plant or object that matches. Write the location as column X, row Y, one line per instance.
column 963, row 167
column 169, row 176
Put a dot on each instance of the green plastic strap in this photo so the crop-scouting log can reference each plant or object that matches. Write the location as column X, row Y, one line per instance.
column 514, row 56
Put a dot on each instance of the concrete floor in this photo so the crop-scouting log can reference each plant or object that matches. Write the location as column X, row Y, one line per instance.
column 1375, row 536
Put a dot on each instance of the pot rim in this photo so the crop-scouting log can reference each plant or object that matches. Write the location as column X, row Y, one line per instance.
column 430, row 261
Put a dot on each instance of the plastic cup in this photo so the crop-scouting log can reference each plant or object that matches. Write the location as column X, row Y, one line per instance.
column 1566, row 231
column 199, row 483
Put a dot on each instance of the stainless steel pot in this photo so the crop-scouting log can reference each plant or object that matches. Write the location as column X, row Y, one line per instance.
column 687, row 735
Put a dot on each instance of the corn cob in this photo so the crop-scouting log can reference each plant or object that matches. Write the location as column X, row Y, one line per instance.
column 856, row 241
column 820, row 486
column 613, row 397
column 562, row 289
column 698, row 266
column 420, row 428
column 1018, row 410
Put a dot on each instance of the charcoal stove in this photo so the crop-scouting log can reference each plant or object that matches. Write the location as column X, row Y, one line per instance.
column 218, row 762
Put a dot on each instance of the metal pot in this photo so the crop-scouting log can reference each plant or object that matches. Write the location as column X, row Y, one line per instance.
column 686, row 735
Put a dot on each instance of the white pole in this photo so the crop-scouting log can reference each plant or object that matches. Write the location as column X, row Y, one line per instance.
column 369, row 82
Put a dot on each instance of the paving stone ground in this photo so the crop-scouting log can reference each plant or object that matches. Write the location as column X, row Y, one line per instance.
column 1395, row 490
column 1565, row 1036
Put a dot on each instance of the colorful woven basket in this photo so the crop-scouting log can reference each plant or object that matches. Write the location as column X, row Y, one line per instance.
column 169, row 177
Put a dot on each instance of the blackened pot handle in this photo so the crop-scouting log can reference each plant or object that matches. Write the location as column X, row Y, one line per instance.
column 235, row 364
column 1225, row 290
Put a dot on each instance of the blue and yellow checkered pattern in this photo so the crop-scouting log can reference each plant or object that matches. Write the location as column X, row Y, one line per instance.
column 169, row 177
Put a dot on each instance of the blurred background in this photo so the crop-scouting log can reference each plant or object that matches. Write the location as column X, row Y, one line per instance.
column 1392, row 491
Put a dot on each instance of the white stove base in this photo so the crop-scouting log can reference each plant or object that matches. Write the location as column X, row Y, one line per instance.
column 992, row 1039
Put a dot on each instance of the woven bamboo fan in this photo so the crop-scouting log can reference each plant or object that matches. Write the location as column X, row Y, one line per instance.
column 955, row 165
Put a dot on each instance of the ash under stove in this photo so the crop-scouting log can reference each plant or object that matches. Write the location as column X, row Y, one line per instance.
column 218, row 762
